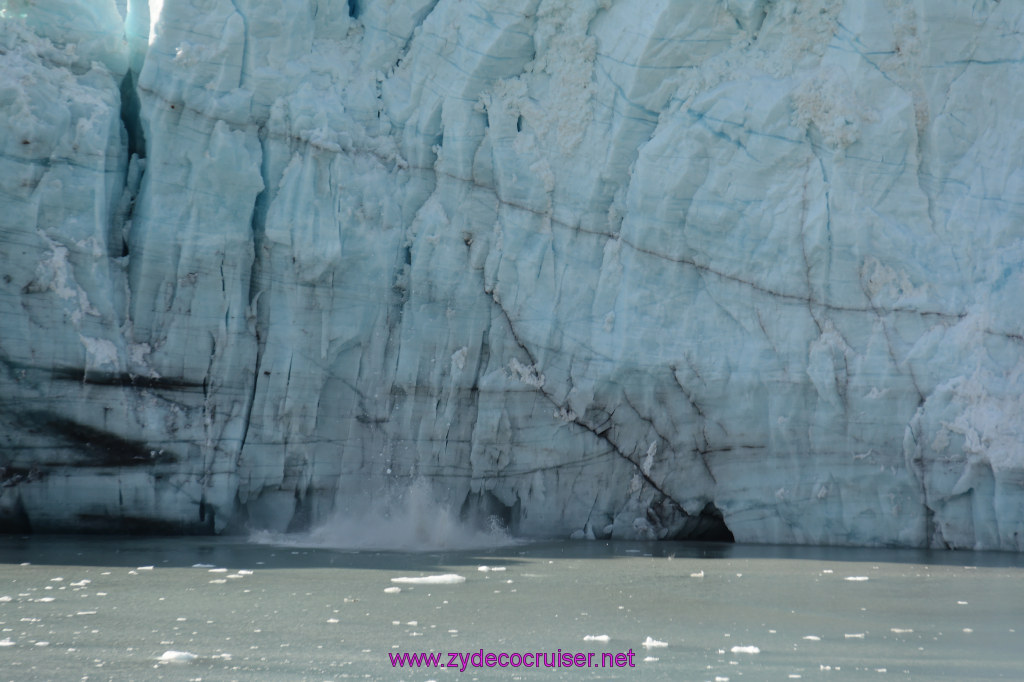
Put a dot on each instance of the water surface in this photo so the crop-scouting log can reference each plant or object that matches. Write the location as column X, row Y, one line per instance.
column 226, row 608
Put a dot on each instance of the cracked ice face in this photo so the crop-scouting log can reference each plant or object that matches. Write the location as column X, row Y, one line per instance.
column 613, row 268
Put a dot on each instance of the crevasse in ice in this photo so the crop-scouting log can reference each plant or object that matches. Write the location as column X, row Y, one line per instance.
column 627, row 268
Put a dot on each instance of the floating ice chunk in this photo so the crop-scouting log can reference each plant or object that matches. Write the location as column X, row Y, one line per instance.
column 6, row 641
column 962, row 603
column 42, row 644
column 854, row 635
column 651, row 659
column 900, row 630
column 202, row 565
column 651, row 643
column 745, row 650
column 812, row 638
column 243, row 571
column 598, row 638
column 144, row 568
column 5, row 597
column 485, row 569
column 856, row 578
column 444, row 579
column 698, row 574
column 968, row 630
column 177, row 657
column 218, row 581
column 392, row 590
column 218, row 570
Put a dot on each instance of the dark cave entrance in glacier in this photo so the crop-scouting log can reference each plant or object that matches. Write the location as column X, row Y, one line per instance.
column 707, row 526
column 484, row 510
column 667, row 520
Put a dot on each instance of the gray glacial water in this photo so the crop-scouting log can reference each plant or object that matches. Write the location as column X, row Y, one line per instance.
column 102, row 608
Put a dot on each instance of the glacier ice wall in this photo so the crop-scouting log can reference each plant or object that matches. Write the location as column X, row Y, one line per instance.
column 629, row 268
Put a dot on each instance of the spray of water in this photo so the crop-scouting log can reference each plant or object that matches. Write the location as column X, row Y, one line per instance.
column 410, row 520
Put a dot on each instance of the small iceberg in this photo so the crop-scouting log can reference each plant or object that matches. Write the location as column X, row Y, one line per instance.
column 745, row 650
column 444, row 579
column 651, row 643
column 177, row 657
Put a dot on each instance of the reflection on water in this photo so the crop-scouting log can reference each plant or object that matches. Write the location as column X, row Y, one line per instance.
column 225, row 608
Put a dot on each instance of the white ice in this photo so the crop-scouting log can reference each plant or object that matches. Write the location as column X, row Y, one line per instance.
column 172, row 656
column 750, row 649
column 651, row 643
column 443, row 579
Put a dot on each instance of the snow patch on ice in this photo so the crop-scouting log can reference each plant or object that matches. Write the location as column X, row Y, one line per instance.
column 528, row 374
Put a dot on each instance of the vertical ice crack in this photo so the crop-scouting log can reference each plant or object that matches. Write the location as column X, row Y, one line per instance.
column 256, row 314
column 245, row 42
column 705, row 448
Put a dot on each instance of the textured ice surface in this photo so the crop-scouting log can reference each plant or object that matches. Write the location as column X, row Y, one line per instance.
column 631, row 268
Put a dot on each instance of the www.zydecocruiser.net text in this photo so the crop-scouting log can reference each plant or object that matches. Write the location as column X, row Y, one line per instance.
column 462, row 660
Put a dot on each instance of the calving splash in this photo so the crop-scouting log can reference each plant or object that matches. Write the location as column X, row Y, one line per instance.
column 406, row 519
